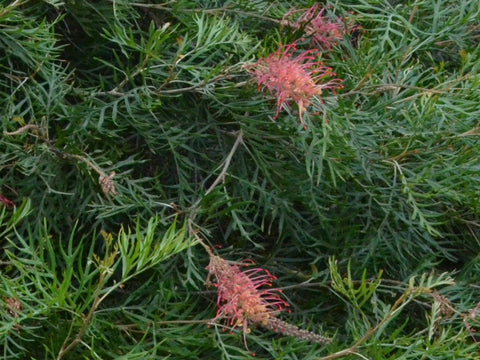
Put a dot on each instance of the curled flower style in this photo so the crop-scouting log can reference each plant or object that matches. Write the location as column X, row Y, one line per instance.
column 8, row 203
column 244, row 302
column 241, row 298
column 323, row 30
column 296, row 78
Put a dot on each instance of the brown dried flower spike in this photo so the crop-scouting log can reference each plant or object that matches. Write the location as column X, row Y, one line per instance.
column 243, row 302
column 107, row 184
column 14, row 308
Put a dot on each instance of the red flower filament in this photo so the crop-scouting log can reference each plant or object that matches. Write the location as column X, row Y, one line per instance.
column 243, row 301
column 240, row 297
column 8, row 203
column 323, row 30
column 294, row 78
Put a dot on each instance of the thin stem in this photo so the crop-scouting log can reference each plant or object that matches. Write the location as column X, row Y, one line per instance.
column 86, row 320
column 401, row 301
column 86, row 161
column 221, row 10
column 13, row 6
column 37, row 129
column 160, row 92
column 128, row 327
column 23, row 129
column 226, row 165
column 137, row 72
column 220, row 178
column 106, row 181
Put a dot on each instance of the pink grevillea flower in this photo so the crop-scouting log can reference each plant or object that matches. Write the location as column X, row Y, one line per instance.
column 292, row 77
column 8, row 203
column 323, row 30
column 244, row 302
column 241, row 297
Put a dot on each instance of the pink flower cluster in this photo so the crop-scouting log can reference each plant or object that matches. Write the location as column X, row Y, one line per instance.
column 294, row 77
column 240, row 297
column 323, row 30
column 8, row 203
column 244, row 302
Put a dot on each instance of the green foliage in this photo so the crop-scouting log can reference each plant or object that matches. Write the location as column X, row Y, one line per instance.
column 132, row 132
column 69, row 284
column 357, row 296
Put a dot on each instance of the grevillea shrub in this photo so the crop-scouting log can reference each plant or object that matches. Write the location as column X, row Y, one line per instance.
column 137, row 136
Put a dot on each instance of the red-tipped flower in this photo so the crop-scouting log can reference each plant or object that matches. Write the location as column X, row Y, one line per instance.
column 241, row 297
column 8, row 203
column 323, row 30
column 244, row 302
column 296, row 78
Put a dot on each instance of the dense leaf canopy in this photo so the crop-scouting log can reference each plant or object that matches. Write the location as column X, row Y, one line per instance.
column 334, row 144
